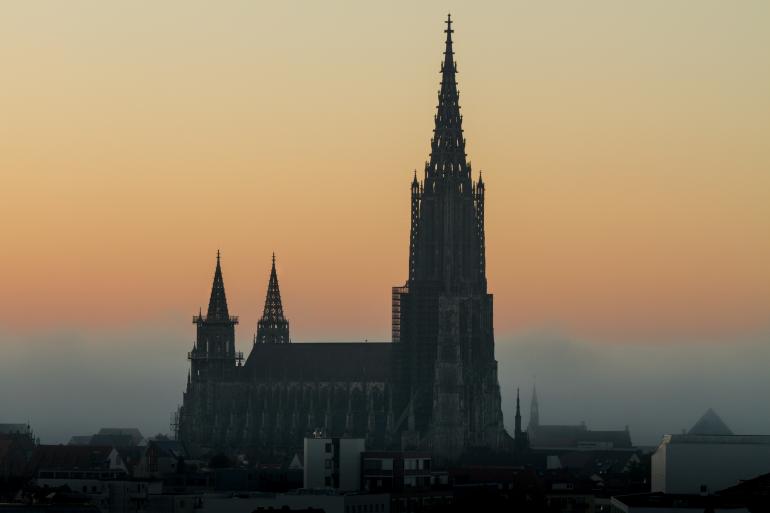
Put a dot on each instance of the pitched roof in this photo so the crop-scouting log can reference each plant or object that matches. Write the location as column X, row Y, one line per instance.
column 112, row 440
column 171, row 448
column 573, row 436
column 134, row 433
column 598, row 462
column 71, row 456
column 14, row 428
column 332, row 361
column 80, row 440
column 710, row 424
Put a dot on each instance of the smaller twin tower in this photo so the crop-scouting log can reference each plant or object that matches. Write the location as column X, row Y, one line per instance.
column 433, row 387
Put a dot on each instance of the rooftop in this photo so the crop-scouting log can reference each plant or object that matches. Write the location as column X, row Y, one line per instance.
column 716, row 439
column 329, row 361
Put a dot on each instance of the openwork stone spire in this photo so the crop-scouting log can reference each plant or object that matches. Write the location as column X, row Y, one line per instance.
column 272, row 328
column 447, row 156
column 447, row 229
column 218, row 301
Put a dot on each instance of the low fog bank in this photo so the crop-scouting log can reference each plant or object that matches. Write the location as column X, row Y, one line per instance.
column 75, row 382
column 654, row 388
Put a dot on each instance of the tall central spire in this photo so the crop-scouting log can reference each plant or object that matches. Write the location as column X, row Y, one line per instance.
column 448, row 145
column 446, row 248
column 272, row 328
column 218, row 301
column 442, row 317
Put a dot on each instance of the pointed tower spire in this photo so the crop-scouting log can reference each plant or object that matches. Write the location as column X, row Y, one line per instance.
column 272, row 328
column 534, row 411
column 520, row 439
column 445, row 246
column 517, row 431
column 447, row 156
column 218, row 301
column 215, row 336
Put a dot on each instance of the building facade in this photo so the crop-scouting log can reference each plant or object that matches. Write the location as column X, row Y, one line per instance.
column 433, row 387
column 333, row 463
column 708, row 458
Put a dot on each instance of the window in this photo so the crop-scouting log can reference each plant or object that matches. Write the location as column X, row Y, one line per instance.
column 328, row 447
column 328, row 481
column 327, row 464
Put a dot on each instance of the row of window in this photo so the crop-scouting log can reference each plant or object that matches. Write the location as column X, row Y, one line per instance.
column 417, row 464
column 80, row 475
column 387, row 464
column 365, row 508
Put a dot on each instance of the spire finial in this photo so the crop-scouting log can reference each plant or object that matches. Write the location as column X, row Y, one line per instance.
column 273, row 258
column 218, row 256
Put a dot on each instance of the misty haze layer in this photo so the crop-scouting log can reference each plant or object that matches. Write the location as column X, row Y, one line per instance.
column 75, row 382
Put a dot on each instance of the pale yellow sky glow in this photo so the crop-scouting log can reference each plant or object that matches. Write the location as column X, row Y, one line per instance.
column 625, row 146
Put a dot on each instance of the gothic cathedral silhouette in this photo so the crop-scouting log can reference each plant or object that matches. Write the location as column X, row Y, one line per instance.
column 433, row 387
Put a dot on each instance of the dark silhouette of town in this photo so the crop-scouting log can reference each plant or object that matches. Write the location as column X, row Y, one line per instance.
column 414, row 424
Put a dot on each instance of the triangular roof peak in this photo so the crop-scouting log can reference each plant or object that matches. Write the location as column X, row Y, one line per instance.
column 710, row 424
column 218, row 302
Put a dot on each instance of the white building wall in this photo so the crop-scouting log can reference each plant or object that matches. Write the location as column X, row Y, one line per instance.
column 315, row 471
column 658, row 471
column 350, row 463
column 320, row 455
column 716, row 462
column 618, row 507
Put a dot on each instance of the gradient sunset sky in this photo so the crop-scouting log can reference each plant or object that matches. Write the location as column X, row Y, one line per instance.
column 625, row 147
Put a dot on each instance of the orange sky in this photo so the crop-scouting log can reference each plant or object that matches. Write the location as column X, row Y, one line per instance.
column 624, row 147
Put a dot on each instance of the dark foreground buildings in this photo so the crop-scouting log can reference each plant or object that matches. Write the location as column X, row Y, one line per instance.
column 434, row 387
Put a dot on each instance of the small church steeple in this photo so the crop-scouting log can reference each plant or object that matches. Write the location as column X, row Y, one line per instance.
column 272, row 328
column 534, row 411
column 520, row 438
